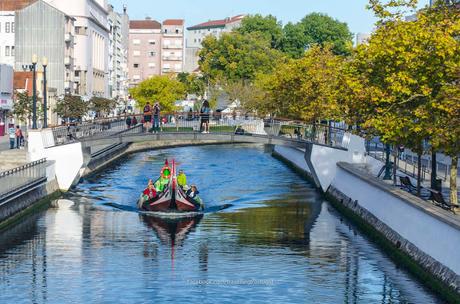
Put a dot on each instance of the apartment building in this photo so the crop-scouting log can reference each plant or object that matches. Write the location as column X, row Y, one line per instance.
column 118, row 53
column 197, row 33
column 155, row 48
column 172, row 53
column 144, row 59
column 91, row 56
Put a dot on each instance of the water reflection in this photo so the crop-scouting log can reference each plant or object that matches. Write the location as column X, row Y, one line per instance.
column 278, row 230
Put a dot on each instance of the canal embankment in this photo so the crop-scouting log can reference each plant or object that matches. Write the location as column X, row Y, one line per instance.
column 424, row 237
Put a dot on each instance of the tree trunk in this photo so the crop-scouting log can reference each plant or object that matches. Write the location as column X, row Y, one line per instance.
column 395, row 163
column 434, row 170
column 419, row 173
column 453, row 180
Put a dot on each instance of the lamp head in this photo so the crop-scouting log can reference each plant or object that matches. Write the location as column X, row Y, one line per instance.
column 34, row 58
column 45, row 61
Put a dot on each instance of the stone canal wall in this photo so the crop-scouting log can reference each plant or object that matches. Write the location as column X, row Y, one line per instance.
column 429, row 236
column 29, row 198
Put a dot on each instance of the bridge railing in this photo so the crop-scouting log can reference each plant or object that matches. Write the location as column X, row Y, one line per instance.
column 14, row 181
column 193, row 122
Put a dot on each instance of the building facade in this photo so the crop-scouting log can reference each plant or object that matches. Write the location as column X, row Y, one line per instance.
column 45, row 31
column 155, row 48
column 197, row 33
column 7, row 45
column 118, row 54
column 144, row 59
column 6, row 95
column 91, row 57
column 172, row 46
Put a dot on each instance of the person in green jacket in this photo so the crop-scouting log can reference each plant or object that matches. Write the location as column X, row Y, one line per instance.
column 182, row 179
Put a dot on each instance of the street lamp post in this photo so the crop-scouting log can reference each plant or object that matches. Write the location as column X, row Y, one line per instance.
column 45, row 94
column 34, row 96
column 387, row 163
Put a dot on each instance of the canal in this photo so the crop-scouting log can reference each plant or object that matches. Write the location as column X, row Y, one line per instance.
column 276, row 240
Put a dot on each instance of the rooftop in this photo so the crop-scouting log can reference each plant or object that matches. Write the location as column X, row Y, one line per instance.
column 14, row 5
column 147, row 24
column 216, row 23
column 173, row 22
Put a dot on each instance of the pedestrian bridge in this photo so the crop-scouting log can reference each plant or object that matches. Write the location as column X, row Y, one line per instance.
column 286, row 133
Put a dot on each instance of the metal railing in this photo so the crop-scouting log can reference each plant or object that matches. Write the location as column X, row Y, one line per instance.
column 407, row 162
column 16, row 180
column 193, row 122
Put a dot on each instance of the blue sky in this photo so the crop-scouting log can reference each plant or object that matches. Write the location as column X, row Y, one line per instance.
column 353, row 12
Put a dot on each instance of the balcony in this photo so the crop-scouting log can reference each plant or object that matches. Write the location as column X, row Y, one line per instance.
column 68, row 61
column 172, row 58
column 68, row 37
column 173, row 46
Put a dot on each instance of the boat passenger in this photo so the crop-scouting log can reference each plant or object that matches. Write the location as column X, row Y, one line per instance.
column 193, row 192
column 150, row 192
column 182, row 179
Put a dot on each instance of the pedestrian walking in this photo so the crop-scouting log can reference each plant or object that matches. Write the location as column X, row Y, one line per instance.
column 147, row 116
column 12, row 136
column 128, row 121
column 156, row 117
column 19, row 137
column 204, row 113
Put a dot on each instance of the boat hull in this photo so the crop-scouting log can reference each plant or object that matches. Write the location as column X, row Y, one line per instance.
column 162, row 202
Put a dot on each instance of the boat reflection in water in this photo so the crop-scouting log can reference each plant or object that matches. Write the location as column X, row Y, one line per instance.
column 172, row 231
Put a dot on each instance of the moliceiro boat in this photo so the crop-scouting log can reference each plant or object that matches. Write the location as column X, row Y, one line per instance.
column 171, row 196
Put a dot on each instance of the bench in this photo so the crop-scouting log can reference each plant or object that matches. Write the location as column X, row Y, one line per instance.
column 438, row 199
column 406, row 183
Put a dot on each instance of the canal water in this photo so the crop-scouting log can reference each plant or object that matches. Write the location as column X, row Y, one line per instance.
column 277, row 240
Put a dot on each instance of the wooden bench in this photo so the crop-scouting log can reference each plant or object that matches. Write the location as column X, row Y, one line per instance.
column 438, row 199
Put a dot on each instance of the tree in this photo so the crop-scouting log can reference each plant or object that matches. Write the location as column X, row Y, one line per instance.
column 267, row 27
column 102, row 106
column 236, row 57
column 163, row 89
column 194, row 84
column 306, row 88
column 22, row 107
column 294, row 42
column 71, row 107
column 406, row 65
column 322, row 29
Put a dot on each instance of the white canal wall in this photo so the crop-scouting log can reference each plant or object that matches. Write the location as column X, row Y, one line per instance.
column 428, row 234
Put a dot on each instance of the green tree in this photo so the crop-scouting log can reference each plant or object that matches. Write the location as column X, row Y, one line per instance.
column 71, row 107
column 102, row 106
column 194, row 84
column 294, row 42
column 236, row 57
column 321, row 29
column 22, row 107
column 267, row 27
column 163, row 89
column 307, row 88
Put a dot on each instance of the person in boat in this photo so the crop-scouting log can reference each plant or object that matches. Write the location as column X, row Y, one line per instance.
column 182, row 179
column 150, row 192
column 165, row 176
column 193, row 194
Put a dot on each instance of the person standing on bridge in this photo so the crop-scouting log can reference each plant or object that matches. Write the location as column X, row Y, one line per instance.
column 147, row 116
column 156, row 117
column 204, row 112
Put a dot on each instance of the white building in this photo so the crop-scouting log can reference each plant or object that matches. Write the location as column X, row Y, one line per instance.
column 197, row 33
column 6, row 95
column 7, row 46
column 91, row 60
column 362, row 38
column 118, row 54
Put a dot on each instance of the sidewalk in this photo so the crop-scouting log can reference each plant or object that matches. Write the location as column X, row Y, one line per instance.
column 4, row 143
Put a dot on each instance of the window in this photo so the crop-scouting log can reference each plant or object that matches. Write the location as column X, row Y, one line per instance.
column 151, row 65
column 166, row 31
column 152, row 54
column 136, row 77
column 195, row 39
column 177, row 31
column 12, row 51
column 136, row 53
column 7, row 50
column 152, row 42
column 7, row 27
column 178, row 67
column 136, row 65
column 0, row 27
column 12, row 27
column 136, row 41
